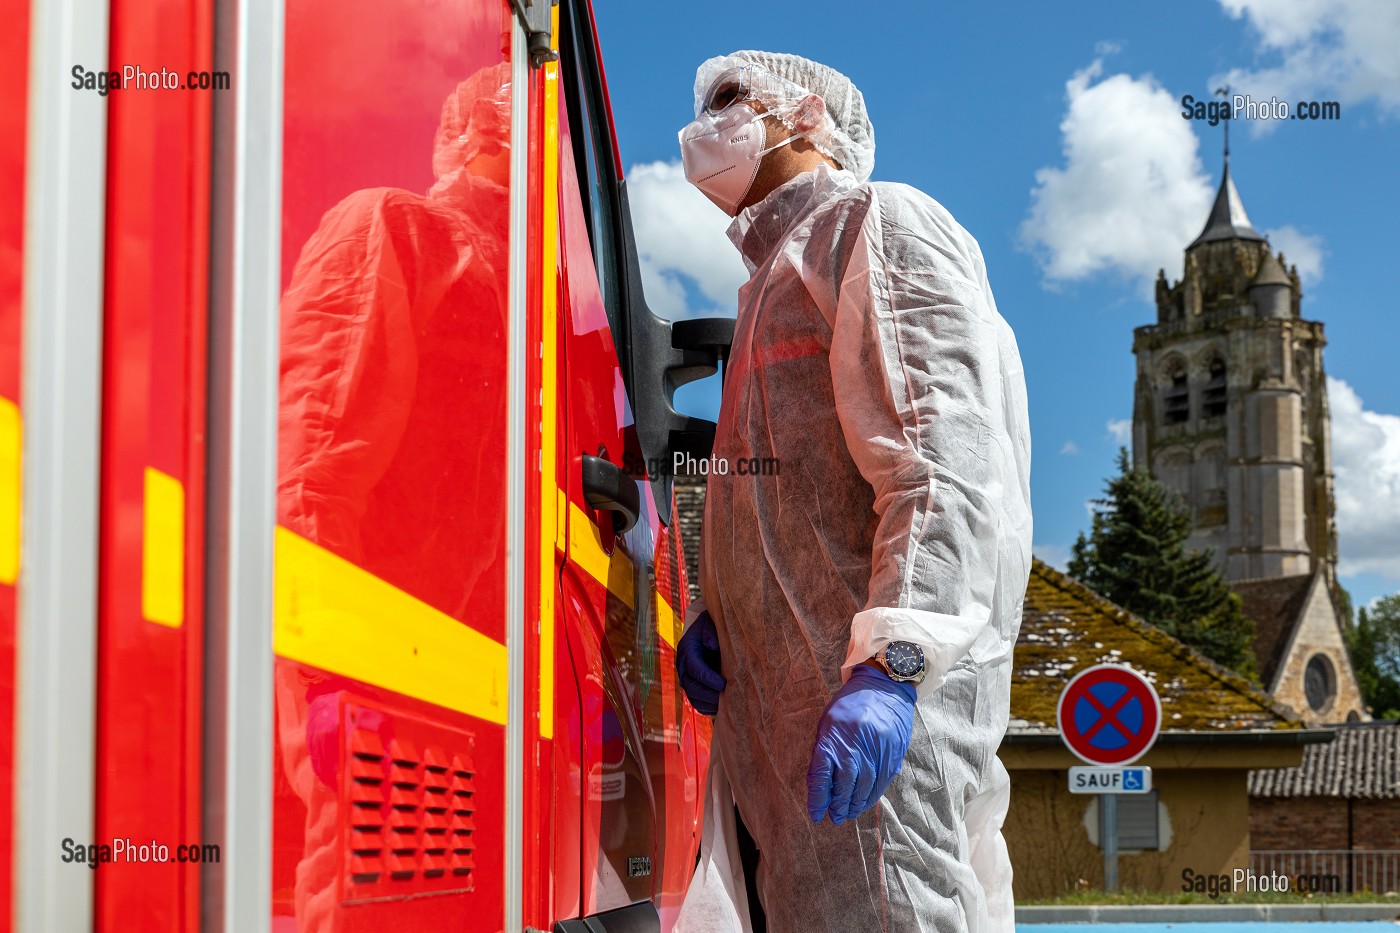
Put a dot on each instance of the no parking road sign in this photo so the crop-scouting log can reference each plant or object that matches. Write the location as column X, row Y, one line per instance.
column 1109, row 715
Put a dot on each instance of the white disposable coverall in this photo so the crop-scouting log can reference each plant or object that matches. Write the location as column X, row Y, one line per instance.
column 870, row 359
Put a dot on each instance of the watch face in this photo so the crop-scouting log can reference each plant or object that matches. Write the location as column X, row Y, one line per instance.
column 904, row 659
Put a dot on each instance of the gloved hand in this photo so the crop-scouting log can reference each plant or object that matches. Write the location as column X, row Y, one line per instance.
column 698, row 664
column 861, row 742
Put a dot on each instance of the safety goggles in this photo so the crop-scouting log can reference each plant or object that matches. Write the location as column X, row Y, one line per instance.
column 728, row 89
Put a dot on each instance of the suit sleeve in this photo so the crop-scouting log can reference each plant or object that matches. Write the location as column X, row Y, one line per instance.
column 917, row 383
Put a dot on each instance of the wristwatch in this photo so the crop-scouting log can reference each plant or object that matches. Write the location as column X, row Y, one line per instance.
column 903, row 661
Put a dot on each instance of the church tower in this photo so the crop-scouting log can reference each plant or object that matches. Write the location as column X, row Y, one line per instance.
column 1230, row 408
column 1230, row 411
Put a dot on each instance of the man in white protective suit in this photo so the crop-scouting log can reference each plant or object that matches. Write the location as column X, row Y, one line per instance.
column 861, row 605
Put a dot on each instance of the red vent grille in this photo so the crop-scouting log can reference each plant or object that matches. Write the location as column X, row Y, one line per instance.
column 408, row 794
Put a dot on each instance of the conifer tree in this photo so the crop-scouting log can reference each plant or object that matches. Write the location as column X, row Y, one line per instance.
column 1136, row 556
column 1374, row 645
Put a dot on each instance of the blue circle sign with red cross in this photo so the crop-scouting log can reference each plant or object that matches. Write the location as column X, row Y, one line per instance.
column 1109, row 715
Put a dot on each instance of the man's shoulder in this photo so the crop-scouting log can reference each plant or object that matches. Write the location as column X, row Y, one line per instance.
column 884, row 198
column 898, row 192
column 903, row 208
column 899, row 199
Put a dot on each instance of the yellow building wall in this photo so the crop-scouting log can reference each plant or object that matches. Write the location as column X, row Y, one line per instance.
column 1203, row 824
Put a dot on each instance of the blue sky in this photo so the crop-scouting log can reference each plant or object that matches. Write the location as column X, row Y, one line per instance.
column 1006, row 114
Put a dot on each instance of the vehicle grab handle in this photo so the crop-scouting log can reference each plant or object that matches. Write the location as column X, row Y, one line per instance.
column 606, row 486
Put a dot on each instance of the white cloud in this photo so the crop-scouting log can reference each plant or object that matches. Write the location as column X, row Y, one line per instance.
column 1070, row 447
column 681, row 238
column 1366, row 462
column 1056, row 555
column 1344, row 50
column 1121, row 429
column 1300, row 249
column 1132, row 191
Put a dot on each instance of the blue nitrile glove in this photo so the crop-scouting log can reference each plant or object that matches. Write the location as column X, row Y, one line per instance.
column 698, row 665
column 861, row 742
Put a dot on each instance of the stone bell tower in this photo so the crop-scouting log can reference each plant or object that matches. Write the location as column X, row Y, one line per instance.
column 1230, row 408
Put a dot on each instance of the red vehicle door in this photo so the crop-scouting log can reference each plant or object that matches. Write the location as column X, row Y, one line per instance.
column 622, row 590
column 392, row 678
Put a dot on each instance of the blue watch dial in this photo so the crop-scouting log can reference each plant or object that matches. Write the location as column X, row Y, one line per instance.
column 904, row 658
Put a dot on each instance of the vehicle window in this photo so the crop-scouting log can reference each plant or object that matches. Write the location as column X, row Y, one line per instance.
column 592, row 145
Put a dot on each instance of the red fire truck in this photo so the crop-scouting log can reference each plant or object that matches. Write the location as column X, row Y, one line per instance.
column 332, row 596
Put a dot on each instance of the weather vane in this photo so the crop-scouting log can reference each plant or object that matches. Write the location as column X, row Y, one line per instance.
column 1224, row 91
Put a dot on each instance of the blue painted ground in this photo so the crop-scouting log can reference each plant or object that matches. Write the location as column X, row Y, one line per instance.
column 1263, row 926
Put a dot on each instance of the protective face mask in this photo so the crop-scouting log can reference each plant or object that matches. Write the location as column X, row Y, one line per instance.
column 722, row 152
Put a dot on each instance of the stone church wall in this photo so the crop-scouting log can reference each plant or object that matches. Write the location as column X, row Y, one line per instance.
column 1318, row 634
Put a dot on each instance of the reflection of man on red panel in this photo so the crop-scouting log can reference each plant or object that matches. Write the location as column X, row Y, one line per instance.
column 392, row 399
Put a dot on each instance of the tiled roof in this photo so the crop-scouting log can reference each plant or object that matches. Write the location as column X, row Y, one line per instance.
column 1274, row 606
column 1066, row 627
column 690, row 511
column 1363, row 761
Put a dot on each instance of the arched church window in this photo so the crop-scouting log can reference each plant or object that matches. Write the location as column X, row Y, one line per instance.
column 1214, row 398
column 1176, row 401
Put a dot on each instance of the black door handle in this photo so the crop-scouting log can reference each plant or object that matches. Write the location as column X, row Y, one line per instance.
column 605, row 486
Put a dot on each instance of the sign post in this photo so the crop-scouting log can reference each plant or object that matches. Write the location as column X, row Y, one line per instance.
column 1108, row 838
column 1109, row 716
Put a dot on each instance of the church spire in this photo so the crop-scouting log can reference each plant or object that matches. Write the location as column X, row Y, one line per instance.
column 1227, row 220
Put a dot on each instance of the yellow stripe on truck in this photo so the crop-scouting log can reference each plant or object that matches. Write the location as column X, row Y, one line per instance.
column 163, row 550
column 341, row 618
column 586, row 549
column 10, row 445
column 614, row 571
column 667, row 625
column 549, row 401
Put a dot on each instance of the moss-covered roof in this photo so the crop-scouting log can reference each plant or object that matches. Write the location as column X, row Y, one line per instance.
column 1066, row 627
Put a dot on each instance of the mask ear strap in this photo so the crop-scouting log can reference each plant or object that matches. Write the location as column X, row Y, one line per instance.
column 810, row 115
column 793, row 138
